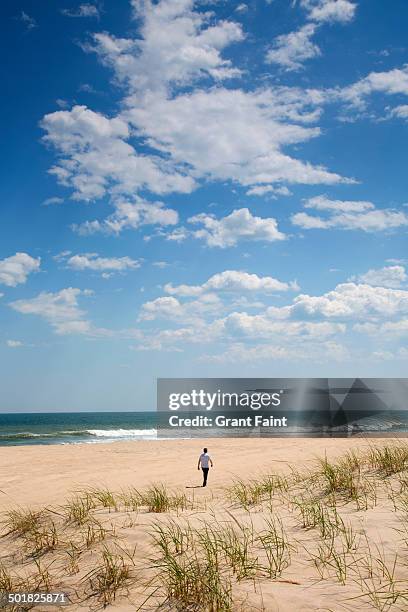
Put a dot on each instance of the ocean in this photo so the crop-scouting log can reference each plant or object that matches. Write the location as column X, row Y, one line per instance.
column 74, row 427
column 97, row 427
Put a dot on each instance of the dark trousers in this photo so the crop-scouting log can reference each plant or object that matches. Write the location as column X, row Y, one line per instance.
column 205, row 474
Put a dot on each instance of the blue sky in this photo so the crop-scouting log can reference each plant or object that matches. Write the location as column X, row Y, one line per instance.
column 200, row 189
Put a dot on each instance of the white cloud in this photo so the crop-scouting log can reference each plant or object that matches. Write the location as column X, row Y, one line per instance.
column 14, row 343
column 232, row 281
column 261, row 326
column 226, row 134
column 308, row 327
column 239, row 225
column 400, row 111
column 176, row 46
column 61, row 310
column 14, row 270
column 398, row 328
column 177, row 235
column 91, row 261
column 352, row 301
column 392, row 82
column 61, row 255
column 255, row 332
column 389, row 276
column 130, row 215
column 349, row 215
column 83, row 10
column 162, row 307
column 52, row 201
column 262, row 190
column 171, row 309
column 198, row 135
column 291, row 50
column 341, row 11
column 241, row 352
column 347, row 206
column 98, row 160
column 174, row 339
column 388, row 330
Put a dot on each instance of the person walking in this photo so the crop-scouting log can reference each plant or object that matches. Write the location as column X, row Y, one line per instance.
column 205, row 461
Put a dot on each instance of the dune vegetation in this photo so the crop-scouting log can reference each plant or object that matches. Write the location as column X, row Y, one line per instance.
column 331, row 537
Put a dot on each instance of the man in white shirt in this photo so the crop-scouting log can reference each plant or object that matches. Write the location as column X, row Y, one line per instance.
column 205, row 460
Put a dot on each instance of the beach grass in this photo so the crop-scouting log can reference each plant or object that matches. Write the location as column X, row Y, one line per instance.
column 340, row 522
column 113, row 573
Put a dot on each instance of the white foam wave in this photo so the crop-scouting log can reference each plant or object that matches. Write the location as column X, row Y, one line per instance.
column 123, row 433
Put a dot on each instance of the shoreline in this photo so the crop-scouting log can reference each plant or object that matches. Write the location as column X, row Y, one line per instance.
column 200, row 440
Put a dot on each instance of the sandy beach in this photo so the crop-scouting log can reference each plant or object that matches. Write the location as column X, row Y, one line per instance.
column 40, row 475
column 288, row 538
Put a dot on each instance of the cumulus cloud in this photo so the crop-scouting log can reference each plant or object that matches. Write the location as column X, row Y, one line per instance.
column 262, row 190
column 254, row 333
column 291, row 50
column 61, row 310
column 130, row 215
column 260, row 326
column 311, row 325
column 233, row 281
column 193, row 135
column 353, row 301
column 177, row 235
column 389, row 330
column 92, row 261
column 202, row 133
column 14, row 270
column 349, row 215
column 239, row 225
column 96, row 159
column 341, row 11
column 176, row 46
column 391, row 82
column 389, row 276
column 232, row 134
column 171, row 309
column 400, row 111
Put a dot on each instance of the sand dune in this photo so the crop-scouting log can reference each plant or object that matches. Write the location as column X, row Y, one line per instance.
column 300, row 539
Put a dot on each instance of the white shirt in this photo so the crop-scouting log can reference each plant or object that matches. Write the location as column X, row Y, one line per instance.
column 205, row 458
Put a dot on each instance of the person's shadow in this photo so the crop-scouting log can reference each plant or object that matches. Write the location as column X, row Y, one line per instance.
column 194, row 487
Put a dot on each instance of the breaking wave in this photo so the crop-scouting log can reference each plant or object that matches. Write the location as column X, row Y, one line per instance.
column 85, row 434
